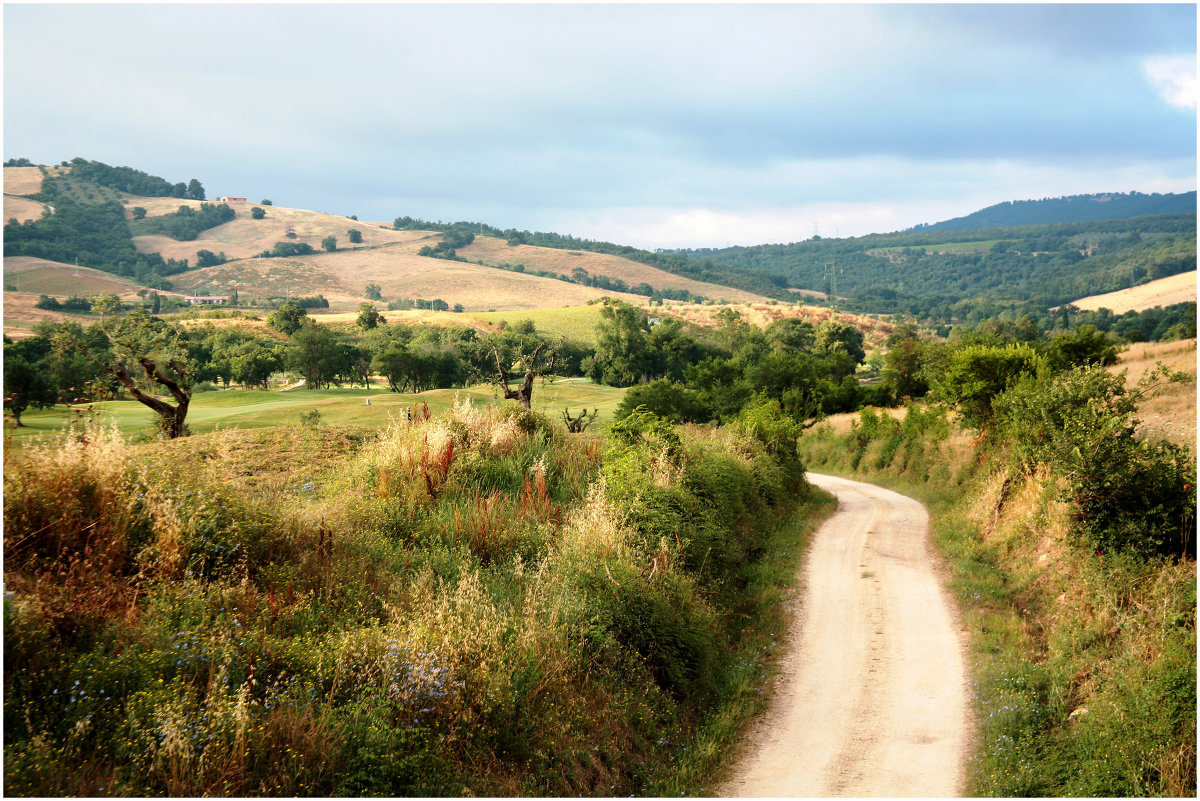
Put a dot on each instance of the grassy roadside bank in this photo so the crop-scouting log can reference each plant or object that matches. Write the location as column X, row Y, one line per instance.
column 1084, row 661
column 469, row 603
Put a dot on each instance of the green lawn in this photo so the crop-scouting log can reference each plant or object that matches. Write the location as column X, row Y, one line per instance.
column 243, row 408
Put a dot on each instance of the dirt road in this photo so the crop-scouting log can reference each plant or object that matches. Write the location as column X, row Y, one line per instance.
column 873, row 699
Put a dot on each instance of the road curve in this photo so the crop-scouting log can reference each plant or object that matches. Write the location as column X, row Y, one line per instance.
column 873, row 699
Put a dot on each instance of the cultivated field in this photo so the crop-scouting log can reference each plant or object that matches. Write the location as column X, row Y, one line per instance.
column 1167, row 291
column 494, row 251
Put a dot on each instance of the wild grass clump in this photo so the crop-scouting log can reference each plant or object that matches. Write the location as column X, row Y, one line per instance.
column 469, row 603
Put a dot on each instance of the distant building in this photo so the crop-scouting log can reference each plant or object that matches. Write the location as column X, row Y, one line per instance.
column 208, row 300
column 231, row 199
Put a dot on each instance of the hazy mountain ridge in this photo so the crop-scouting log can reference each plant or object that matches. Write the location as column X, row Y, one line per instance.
column 1069, row 209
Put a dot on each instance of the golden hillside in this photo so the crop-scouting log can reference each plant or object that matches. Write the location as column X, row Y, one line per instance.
column 22, row 180
column 343, row 276
column 27, row 278
column 1167, row 291
column 495, row 251
column 244, row 237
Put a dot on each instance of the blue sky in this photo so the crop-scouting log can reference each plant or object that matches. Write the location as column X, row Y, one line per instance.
column 672, row 125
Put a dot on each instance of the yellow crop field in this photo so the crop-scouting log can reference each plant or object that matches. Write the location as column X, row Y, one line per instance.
column 494, row 251
column 1167, row 291
column 22, row 181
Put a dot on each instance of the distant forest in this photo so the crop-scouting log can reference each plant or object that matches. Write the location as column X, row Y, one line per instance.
column 1073, row 208
column 942, row 276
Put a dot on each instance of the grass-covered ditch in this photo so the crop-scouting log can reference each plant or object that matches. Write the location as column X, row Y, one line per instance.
column 473, row 602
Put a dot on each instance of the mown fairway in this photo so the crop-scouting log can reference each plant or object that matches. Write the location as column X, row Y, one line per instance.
column 241, row 408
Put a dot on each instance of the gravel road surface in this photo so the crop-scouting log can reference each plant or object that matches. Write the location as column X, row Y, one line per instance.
column 872, row 700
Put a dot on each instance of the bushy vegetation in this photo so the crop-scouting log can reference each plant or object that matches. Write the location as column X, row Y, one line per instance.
column 1020, row 269
column 1070, row 537
column 134, row 182
column 187, row 223
column 93, row 235
column 469, row 604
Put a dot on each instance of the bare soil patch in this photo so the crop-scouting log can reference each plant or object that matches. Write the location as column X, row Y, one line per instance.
column 1167, row 291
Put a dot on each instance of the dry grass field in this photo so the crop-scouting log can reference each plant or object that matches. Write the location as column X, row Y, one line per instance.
column 342, row 276
column 35, row 277
column 22, row 209
column 22, row 181
column 1163, row 292
column 1170, row 413
column 875, row 331
column 244, row 237
column 494, row 251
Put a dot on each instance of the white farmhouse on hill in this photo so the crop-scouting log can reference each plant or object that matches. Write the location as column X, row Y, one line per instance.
column 207, row 300
column 231, row 199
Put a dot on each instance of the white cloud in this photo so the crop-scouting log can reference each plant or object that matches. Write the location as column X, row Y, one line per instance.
column 1175, row 79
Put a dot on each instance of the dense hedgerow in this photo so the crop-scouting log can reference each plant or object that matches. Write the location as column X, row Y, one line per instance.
column 475, row 603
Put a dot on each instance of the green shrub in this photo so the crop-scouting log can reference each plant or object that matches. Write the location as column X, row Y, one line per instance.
column 1126, row 493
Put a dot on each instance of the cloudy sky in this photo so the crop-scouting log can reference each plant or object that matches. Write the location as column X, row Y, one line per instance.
column 651, row 125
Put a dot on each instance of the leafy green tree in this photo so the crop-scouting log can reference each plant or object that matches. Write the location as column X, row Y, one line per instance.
column 903, row 364
column 288, row 318
column 195, row 190
column 266, row 202
column 25, row 386
column 833, row 336
column 315, row 355
column 160, row 350
column 976, row 374
column 354, row 235
column 622, row 346
column 1081, row 346
column 368, row 316
column 206, row 258
column 374, row 292
column 255, row 367
column 139, row 213
column 329, row 243
column 394, row 364
column 104, row 305
column 257, row 214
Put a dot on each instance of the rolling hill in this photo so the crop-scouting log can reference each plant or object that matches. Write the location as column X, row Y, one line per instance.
column 1069, row 209
column 1164, row 292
